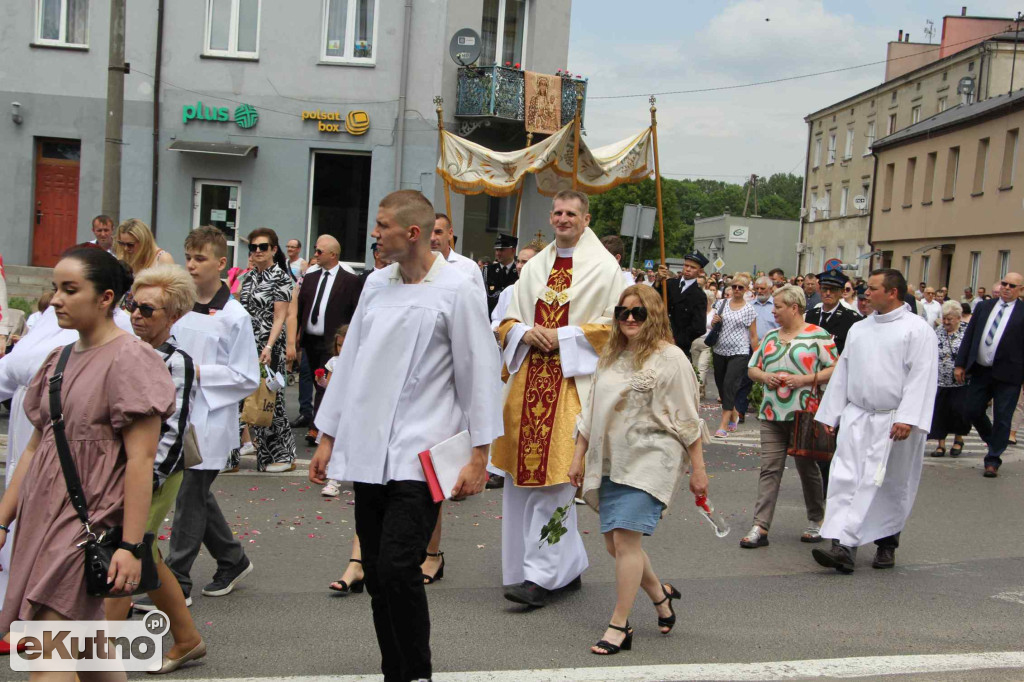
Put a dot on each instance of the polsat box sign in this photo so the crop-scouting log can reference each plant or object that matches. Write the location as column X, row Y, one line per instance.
column 355, row 123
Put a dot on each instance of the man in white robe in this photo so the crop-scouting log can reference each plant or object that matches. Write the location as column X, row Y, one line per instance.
column 881, row 394
column 427, row 323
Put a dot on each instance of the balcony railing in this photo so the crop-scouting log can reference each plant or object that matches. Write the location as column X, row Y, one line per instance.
column 500, row 92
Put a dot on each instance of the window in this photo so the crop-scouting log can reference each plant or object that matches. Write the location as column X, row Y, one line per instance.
column 893, row 100
column 866, row 193
column 821, row 259
column 975, row 266
column 945, row 75
column 918, row 87
column 813, row 213
column 871, row 137
column 890, row 175
column 817, row 153
column 908, row 185
column 848, row 150
column 970, row 66
column 892, row 125
column 952, row 169
column 906, row 267
column 942, row 104
column 839, row 253
column 827, row 210
column 929, row 177
column 62, row 22
column 350, row 31
column 503, row 32
column 831, row 149
column 979, row 167
column 1004, row 263
column 926, row 262
column 844, row 199
column 915, row 114
column 233, row 28
column 1009, row 159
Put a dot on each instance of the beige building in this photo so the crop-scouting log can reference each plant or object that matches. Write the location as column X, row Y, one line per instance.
column 840, row 168
column 949, row 206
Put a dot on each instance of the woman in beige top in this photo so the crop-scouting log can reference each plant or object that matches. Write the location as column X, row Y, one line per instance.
column 641, row 431
column 136, row 246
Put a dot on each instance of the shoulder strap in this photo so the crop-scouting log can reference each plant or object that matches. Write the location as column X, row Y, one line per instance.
column 67, row 465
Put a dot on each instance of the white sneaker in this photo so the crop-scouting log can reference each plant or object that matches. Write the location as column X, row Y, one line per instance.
column 331, row 489
column 247, row 449
column 280, row 467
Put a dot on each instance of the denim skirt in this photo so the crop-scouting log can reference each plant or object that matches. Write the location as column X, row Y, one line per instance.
column 626, row 507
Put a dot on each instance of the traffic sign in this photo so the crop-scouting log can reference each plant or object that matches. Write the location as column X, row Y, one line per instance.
column 718, row 263
column 648, row 265
column 833, row 264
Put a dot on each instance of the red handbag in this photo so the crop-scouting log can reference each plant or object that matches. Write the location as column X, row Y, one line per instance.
column 810, row 438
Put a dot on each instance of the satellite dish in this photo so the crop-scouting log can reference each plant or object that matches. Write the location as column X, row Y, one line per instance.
column 965, row 86
column 465, row 47
column 860, row 202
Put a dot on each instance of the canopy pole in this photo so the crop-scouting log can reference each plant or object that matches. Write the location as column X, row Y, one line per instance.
column 576, row 143
column 519, row 195
column 657, row 192
column 439, row 102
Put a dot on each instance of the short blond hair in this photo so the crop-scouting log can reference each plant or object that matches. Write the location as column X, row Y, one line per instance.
column 176, row 284
column 791, row 294
column 410, row 208
column 743, row 276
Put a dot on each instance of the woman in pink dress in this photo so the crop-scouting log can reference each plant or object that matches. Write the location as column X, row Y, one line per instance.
column 116, row 392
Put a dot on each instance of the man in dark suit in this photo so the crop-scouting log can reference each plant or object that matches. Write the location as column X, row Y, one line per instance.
column 327, row 298
column 992, row 356
column 502, row 272
column 830, row 314
column 687, row 302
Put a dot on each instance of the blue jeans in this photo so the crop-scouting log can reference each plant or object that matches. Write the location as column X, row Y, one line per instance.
column 984, row 386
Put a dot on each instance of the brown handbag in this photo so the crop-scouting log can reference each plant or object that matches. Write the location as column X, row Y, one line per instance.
column 810, row 438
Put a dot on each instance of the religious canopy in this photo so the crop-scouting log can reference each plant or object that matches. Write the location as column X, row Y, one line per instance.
column 470, row 168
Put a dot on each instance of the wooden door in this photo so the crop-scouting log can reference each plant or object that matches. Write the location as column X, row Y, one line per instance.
column 55, row 208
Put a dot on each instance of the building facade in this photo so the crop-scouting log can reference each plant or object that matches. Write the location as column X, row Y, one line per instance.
column 295, row 116
column 949, row 207
column 840, row 168
column 747, row 244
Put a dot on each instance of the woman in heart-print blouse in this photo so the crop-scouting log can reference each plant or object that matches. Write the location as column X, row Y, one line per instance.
column 787, row 363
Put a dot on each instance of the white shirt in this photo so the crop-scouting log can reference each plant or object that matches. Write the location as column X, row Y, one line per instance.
column 441, row 362
column 110, row 250
column 685, row 284
column 986, row 352
column 628, row 278
column 932, row 312
column 501, row 307
column 298, row 267
column 469, row 268
column 318, row 328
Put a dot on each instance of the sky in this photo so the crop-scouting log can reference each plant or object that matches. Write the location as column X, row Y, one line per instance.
column 670, row 45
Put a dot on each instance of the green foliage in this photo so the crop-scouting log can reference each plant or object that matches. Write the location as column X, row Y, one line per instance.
column 22, row 304
column 756, row 396
column 777, row 196
column 555, row 528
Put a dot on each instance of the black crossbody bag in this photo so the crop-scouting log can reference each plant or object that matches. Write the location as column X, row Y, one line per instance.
column 99, row 550
column 716, row 329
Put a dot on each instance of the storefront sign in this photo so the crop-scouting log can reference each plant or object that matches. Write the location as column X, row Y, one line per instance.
column 355, row 123
column 245, row 116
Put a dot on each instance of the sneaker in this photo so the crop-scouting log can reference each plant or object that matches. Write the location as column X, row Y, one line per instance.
column 280, row 467
column 224, row 581
column 812, row 533
column 757, row 537
column 332, row 489
column 247, row 449
column 144, row 603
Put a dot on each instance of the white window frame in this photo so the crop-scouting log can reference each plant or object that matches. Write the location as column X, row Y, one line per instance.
column 826, row 212
column 975, row 268
column 891, row 125
column 62, row 40
column 926, row 265
column 915, row 114
column 942, row 104
column 844, row 200
column 870, row 138
column 1004, row 263
column 906, row 267
column 812, row 214
column 831, row 149
column 350, row 37
column 232, row 50
column 848, row 150
column 817, row 152
column 499, row 43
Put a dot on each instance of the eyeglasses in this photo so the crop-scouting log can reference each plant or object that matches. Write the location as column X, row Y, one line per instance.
column 144, row 308
column 738, row 287
column 1008, row 285
column 320, row 252
column 622, row 313
column 265, row 246
column 126, row 245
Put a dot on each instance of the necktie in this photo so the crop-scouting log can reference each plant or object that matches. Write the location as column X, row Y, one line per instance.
column 319, row 297
column 991, row 336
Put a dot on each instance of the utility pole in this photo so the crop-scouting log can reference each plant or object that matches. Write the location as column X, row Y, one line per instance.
column 111, row 203
column 1016, row 35
column 751, row 185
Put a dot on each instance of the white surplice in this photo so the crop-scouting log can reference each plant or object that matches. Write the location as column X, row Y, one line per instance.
column 469, row 268
column 417, row 367
column 501, row 307
column 887, row 374
column 223, row 348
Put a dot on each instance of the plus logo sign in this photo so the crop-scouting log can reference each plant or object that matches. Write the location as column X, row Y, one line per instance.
column 246, row 116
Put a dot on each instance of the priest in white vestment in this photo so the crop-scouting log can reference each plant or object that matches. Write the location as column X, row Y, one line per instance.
column 881, row 396
column 426, row 323
column 557, row 324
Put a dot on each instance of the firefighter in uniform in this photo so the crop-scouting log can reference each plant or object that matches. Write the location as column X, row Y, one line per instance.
column 502, row 272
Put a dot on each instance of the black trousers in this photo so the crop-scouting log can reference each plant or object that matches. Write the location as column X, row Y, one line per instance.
column 394, row 523
column 984, row 386
column 317, row 354
column 729, row 373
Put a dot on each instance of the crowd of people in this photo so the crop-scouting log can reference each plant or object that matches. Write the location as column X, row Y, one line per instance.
column 562, row 375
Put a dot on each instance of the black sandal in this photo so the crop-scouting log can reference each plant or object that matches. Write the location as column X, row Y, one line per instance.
column 612, row 649
column 940, row 452
column 958, row 446
column 427, row 579
column 670, row 594
column 356, row 587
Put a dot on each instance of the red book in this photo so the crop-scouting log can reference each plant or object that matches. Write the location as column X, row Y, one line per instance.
column 432, row 482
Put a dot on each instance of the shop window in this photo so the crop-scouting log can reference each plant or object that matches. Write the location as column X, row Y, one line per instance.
column 503, row 32
column 62, row 23
column 340, row 202
column 233, row 28
column 350, row 31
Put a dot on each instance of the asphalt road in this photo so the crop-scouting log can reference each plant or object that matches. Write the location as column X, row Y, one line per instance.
column 958, row 588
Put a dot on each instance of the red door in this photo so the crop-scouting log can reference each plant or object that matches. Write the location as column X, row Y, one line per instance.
column 55, row 211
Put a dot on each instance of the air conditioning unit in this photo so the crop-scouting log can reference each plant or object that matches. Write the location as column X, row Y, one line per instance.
column 801, row 248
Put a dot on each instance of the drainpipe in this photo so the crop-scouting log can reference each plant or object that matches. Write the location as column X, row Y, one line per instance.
column 156, row 114
column 803, row 190
column 871, row 212
column 402, row 88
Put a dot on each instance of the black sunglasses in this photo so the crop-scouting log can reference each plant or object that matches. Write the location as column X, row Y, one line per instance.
column 126, row 245
column 622, row 313
column 1008, row 285
column 144, row 308
column 265, row 246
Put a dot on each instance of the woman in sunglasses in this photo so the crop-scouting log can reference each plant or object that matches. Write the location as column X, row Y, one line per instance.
column 737, row 337
column 635, row 442
column 265, row 293
column 849, row 298
column 136, row 246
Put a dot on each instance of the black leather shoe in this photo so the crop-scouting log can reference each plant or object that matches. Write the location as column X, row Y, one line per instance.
column 990, row 472
column 885, row 557
column 300, row 421
column 528, row 593
column 494, row 481
column 838, row 557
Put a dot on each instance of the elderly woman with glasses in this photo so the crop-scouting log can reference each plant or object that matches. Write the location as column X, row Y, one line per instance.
column 640, row 434
column 736, row 338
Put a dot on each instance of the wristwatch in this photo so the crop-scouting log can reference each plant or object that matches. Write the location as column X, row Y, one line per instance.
column 136, row 550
